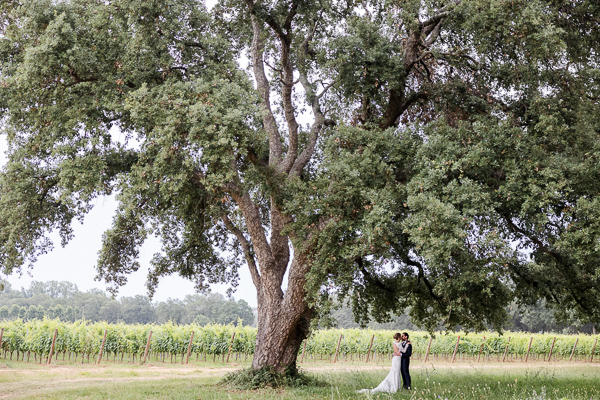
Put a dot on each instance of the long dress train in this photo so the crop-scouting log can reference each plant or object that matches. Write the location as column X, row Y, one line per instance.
column 392, row 382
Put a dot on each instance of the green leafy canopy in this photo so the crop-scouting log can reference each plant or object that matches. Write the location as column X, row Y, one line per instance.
column 455, row 164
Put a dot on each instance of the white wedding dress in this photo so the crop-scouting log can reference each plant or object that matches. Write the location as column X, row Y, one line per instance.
column 393, row 382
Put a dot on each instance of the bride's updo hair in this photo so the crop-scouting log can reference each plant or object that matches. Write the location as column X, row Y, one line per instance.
column 397, row 335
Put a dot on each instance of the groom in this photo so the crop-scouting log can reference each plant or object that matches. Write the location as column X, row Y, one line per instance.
column 405, row 353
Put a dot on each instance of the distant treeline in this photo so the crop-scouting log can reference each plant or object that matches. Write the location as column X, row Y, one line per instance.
column 63, row 300
column 535, row 319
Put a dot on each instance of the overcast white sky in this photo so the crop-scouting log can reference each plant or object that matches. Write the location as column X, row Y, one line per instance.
column 77, row 261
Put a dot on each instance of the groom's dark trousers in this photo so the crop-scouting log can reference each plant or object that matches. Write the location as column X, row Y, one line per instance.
column 404, row 364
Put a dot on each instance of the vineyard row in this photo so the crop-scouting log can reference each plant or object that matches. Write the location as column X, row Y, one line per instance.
column 37, row 340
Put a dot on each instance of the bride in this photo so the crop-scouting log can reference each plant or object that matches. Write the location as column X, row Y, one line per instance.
column 392, row 382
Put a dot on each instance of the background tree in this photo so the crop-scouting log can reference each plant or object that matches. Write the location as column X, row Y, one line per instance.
column 13, row 311
column 522, row 318
column 216, row 309
column 170, row 310
column 34, row 312
column 138, row 310
column 42, row 300
column 4, row 312
column 110, row 311
column 438, row 134
column 343, row 317
column 55, row 312
column 71, row 314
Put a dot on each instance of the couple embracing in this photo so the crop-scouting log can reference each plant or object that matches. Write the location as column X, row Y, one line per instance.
column 400, row 363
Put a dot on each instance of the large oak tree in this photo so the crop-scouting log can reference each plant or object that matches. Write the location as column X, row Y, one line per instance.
column 436, row 154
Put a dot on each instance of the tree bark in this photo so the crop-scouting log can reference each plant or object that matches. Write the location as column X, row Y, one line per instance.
column 283, row 318
column 280, row 333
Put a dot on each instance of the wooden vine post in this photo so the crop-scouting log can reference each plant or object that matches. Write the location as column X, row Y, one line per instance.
column 187, row 359
column 230, row 346
column 480, row 349
column 573, row 351
column 338, row 349
column 455, row 348
column 593, row 350
column 506, row 350
column 371, row 345
column 428, row 347
column 147, row 347
column 102, row 347
column 551, row 349
column 1, row 334
column 303, row 349
column 52, row 347
column 528, row 348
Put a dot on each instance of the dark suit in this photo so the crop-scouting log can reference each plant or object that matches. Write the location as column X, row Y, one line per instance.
column 406, row 350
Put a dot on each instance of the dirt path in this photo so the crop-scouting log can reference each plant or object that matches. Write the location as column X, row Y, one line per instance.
column 462, row 365
column 59, row 369
column 100, row 369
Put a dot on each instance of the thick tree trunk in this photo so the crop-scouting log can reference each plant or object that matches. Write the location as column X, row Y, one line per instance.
column 279, row 337
column 283, row 319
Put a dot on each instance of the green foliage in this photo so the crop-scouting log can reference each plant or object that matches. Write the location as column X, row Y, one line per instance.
column 127, row 65
column 452, row 166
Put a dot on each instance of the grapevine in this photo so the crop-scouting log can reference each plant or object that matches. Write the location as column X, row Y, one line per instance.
column 33, row 339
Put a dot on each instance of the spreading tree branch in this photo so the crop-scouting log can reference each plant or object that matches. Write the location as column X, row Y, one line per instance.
column 246, row 247
column 313, row 100
column 263, row 86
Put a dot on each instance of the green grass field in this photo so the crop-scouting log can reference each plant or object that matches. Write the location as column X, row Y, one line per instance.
column 464, row 380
